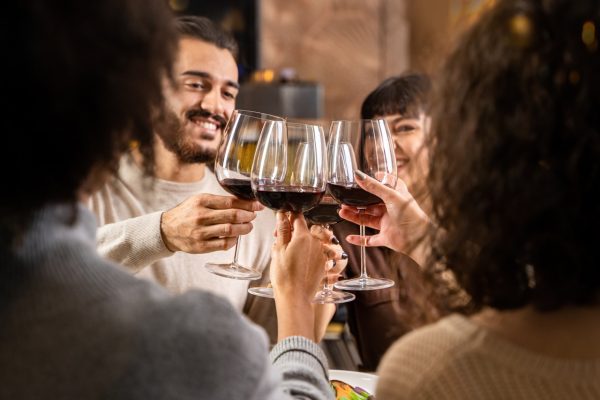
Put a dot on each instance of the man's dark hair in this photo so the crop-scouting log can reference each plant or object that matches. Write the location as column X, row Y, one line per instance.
column 515, row 156
column 206, row 30
column 406, row 95
column 82, row 83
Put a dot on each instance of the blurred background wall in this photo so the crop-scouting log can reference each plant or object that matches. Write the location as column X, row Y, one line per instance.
column 317, row 59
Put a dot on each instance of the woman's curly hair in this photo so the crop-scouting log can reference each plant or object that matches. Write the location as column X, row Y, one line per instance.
column 515, row 156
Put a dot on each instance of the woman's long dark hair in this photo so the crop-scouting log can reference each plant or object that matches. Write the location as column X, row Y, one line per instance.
column 515, row 156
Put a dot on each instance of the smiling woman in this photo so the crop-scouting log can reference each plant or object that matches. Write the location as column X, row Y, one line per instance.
column 377, row 318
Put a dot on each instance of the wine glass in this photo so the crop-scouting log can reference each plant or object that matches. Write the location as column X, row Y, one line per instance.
column 232, row 168
column 288, row 172
column 326, row 214
column 364, row 145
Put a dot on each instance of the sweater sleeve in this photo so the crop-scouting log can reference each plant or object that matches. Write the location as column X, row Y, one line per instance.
column 304, row 368
column 206, row 347
column 134, row 243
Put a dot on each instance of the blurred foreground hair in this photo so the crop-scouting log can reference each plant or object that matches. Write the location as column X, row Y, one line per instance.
column 90, row 74
column 515, row 156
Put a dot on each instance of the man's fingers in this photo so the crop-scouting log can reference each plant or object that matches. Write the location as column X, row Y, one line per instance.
column 231, row 216
column 222, row 231
column 216, row 244
column 217, row 202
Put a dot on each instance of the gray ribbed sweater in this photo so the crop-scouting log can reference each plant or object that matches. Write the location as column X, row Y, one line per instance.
column 73, row 326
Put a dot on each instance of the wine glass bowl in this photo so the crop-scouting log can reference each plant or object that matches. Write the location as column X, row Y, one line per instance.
column 363, row 145
column 233, row 166
column 288, row 172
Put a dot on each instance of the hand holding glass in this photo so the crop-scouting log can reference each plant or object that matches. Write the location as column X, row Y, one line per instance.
column 288, row 171
column 232, row 168
column 364, row 145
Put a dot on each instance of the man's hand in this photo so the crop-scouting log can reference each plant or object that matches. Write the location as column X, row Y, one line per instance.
column 206, row 223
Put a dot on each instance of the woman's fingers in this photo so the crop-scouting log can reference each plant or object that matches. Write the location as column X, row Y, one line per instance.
column 284, row 229
column 364, row 219
column 368, row 241
column 372, row 185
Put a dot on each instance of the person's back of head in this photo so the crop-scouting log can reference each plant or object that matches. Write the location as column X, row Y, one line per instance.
column 204, row 29
column 514, row 186
column 406, row 94
column 91, row 75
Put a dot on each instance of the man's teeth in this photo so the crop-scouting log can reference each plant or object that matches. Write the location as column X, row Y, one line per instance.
column 208, row 125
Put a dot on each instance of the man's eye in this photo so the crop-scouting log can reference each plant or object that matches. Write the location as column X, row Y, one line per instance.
column 229, row 95
column 195, row 85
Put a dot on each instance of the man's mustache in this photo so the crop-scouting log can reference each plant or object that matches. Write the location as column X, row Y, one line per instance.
column 193, row 113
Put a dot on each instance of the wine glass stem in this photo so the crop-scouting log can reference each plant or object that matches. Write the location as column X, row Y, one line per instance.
column 326, row 286
column 363, row 264
column 235, row 254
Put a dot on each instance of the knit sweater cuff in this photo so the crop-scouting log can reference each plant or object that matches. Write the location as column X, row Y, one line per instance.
column 300, row 350
column 135, row 243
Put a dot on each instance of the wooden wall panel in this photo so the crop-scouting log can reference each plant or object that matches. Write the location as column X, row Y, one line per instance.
column 347, row 45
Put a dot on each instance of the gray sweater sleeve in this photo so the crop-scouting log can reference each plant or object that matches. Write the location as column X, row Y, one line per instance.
column 221, row 354
column 304, row 368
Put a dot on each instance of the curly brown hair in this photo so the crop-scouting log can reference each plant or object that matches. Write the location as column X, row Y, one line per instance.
column 515, row 156
column 91, row 74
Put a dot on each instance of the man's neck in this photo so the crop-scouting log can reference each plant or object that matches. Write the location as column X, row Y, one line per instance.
column 169, row 168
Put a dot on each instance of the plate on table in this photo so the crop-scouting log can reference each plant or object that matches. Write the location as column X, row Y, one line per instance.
column 361, row 379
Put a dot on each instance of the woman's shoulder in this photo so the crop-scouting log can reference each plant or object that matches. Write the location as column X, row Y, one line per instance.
column 419, row 355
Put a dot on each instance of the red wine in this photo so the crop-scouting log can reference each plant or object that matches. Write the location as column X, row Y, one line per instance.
column 353, row 195
column 240, row 188
column 323, row 214
column 289, row 198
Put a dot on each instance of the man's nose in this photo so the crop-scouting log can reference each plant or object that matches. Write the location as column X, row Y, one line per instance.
column 213, row 102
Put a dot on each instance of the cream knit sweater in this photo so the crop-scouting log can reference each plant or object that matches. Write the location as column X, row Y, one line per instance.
column 456, row 359
column 128, row 213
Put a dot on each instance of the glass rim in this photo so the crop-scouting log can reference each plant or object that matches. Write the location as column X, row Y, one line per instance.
column 356, row 121
column 297, row 124
column 259, row 115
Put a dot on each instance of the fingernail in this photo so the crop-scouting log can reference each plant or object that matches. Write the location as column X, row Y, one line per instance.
column 359, row 174
column 344, row 256
column 334, row 240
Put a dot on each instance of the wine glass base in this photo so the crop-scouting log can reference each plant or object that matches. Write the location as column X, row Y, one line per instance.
column 364, row 284
column 233, row 271
column 333, row 297
column 262, row 292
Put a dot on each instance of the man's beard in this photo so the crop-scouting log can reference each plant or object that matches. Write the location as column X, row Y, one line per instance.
column 172, row 132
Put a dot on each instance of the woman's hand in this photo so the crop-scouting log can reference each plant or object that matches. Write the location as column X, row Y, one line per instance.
column 334, row 267
column 400, row 220
column 297, row 270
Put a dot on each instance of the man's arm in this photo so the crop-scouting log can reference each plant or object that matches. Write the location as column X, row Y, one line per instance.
column 134, row 242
